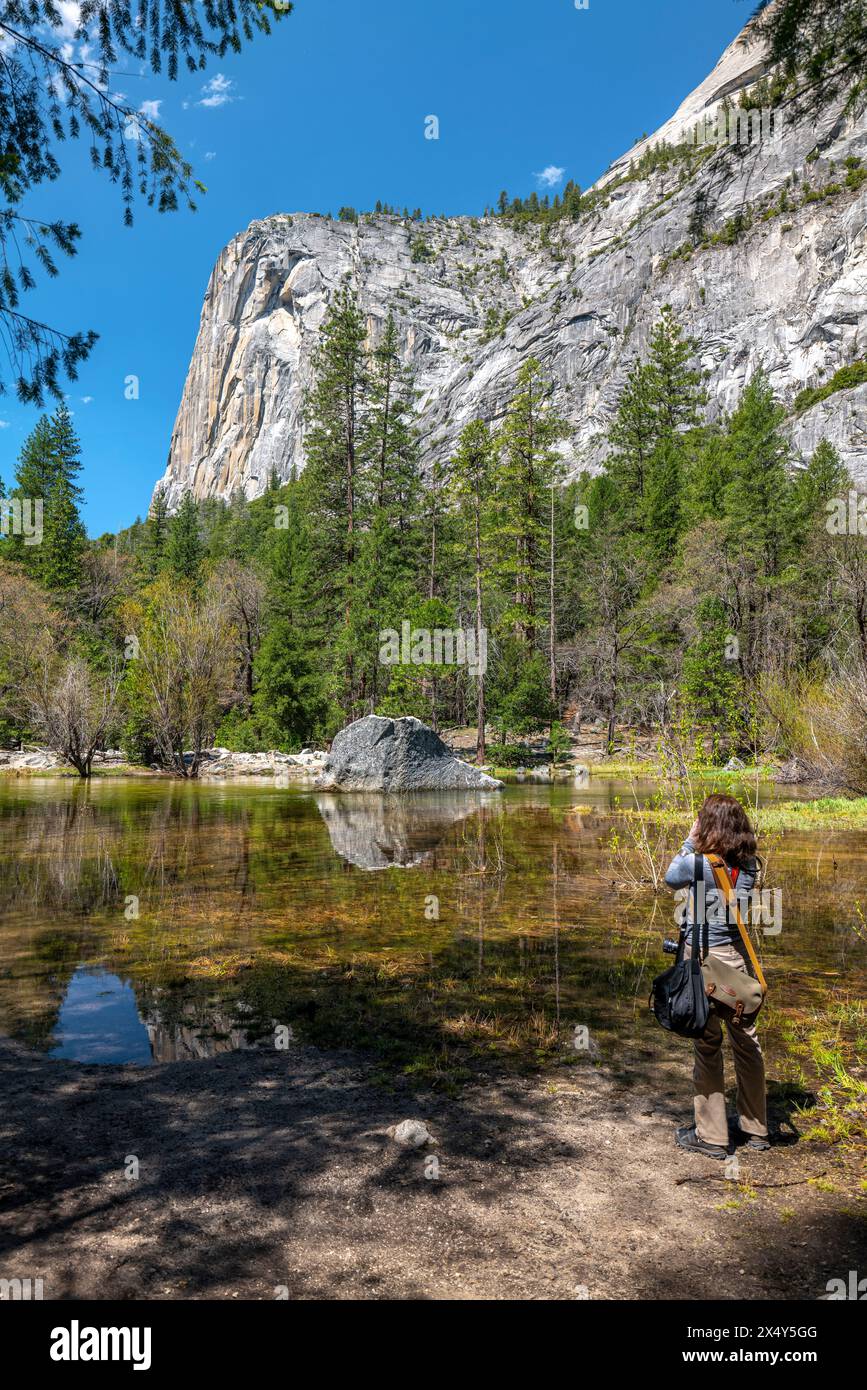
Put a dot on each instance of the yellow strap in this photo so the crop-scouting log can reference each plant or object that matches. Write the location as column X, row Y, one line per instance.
column 724, row 883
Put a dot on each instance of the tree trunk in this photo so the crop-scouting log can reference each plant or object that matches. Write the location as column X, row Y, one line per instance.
column 480, row 678
column 551, row 642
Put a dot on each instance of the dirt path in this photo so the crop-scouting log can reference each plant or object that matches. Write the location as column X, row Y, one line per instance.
column 259, row 1170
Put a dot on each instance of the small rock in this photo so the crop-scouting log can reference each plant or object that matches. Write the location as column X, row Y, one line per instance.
column 411, row 1134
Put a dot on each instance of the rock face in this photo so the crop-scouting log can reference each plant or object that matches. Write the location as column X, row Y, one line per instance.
column 474, row 298
column 396, row 755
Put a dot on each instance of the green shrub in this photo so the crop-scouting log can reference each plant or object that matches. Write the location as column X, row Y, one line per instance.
column 843, row 380
column 509, row 754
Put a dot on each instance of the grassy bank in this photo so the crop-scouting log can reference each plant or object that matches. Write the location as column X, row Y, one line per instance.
column 823, row 813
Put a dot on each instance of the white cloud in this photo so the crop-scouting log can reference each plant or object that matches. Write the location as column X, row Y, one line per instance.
column 551, row 176
column 4, row 424
column 70, row 16
column 217, row 92
column 87, row 399
column 210, row 154
column 151, row 109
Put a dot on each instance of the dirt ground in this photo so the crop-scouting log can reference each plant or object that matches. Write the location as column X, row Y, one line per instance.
column 262, row 1170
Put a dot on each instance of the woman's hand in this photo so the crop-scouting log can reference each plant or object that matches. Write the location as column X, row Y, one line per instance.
column 692, row 834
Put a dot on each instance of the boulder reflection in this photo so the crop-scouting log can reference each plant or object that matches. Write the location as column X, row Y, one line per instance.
column 373, row 830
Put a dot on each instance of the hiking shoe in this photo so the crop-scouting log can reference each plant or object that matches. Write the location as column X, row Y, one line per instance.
column 686, row 1138
column 757, row 1142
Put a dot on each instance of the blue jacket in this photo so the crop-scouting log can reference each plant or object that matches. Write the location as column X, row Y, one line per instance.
column 721, row 932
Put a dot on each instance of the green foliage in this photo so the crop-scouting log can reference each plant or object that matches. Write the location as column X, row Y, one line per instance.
column 843, row 380
column 559, row 745
column 710, row 677
column 184, row 549
column 47, row 474
column 48, row 96
column 820, row 46
column 672, row 586
column 156, row 533
column 509, row 755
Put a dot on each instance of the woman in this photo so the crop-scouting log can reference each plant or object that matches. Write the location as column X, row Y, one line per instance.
column 722, row 828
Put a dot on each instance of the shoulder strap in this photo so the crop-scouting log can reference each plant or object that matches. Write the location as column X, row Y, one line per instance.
column 724, row 884
column 699, row 919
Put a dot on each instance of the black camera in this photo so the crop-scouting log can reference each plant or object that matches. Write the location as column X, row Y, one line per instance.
column 670, row 947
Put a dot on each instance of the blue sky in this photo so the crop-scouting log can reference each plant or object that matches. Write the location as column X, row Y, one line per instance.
column 330, row 110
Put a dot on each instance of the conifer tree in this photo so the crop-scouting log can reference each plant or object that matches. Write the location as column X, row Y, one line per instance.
column 758, row 498
column 156, row 532
column 632, row 437
column 675, row 387
column 63, row 539
column 63, row 542
column 529, row 466
column 35, row 475
column 390, row 441
column 335, row 476
column 185, row 551
column 675, row 397
column 289, row 703
column 471, row 487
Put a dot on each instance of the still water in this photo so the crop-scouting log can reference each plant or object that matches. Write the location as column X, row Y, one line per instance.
column 148, row 922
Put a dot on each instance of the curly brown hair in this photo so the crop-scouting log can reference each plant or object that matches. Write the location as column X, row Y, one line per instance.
column 723, row 828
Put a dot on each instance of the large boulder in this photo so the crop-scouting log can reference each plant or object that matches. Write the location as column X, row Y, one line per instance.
column 396, row 755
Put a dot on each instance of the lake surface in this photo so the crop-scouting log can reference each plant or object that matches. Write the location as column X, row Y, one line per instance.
column 149, row 921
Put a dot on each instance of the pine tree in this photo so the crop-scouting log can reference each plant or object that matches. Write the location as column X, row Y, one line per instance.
column 758, row 497
column 156, row 531
column 36, row 470
column 385, row 591
column 336, row 477
column 672, row 396
column 63, row 538
column 824, row 564
column 824, row 478
column 709, row 680
column 632, row 437
column 35, row 475
column 529, row 466
column 471, row 487
column 59, row 564
column 662, row 502
column 289, row 703
column 675, row 387
column 390, row 443
column 184, row 551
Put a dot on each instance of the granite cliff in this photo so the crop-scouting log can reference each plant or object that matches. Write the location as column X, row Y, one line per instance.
column 759, row 247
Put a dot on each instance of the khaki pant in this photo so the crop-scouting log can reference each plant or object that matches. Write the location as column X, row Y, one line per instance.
column 711, row 1124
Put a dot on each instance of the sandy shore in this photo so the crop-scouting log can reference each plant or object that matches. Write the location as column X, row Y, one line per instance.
column 264, row 1170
